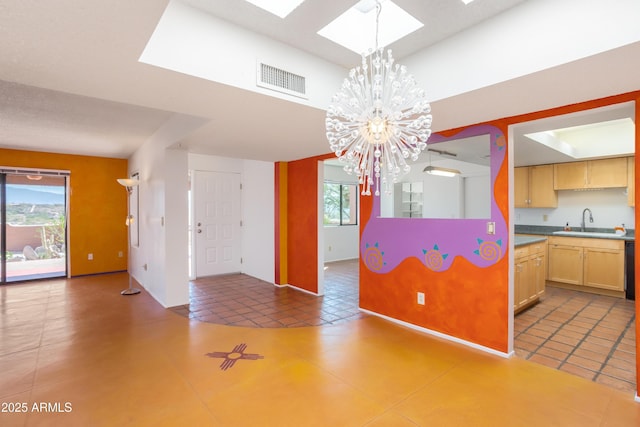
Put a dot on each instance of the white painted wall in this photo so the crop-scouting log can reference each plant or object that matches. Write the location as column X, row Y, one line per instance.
column 258, row 213
column 530, row 37
column 609, row 207
column 176, row 226
column 149, row 162
column 163, row 214
column 257, row 208
column 190, row 41
column 340, row 242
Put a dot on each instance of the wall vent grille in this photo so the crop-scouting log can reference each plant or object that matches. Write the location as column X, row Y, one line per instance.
column 280, row 80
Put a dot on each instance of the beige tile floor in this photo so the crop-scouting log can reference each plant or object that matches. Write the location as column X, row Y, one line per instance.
column 126, row 361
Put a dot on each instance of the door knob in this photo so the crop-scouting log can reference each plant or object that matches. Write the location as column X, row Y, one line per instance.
column 199, row 231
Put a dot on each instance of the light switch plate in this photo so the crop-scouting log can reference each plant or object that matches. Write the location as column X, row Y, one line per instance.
column 491, row 227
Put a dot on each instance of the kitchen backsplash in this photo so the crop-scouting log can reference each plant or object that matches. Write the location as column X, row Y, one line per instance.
column 609, row 207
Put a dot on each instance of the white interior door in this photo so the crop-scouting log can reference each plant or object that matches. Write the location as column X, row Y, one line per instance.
column 217, row 223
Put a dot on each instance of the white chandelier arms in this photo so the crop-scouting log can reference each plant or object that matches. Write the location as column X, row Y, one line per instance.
column 377, row 120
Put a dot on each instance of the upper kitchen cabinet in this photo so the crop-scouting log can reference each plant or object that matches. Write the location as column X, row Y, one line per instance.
column 534, row 187
column 605, row 173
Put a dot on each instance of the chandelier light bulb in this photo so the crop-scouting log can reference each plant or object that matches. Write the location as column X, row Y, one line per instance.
column 377, row 120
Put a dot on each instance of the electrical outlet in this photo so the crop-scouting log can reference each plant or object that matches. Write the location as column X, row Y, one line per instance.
column 421, row 298
column 545, row 218
column 120, row 254
column 90, row 257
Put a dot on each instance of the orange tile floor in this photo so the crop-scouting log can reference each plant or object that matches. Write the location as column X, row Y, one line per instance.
column 241, row 300
column 77, row 353
column 589, row 335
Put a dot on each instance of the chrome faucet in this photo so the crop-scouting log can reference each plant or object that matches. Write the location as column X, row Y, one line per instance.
column 590, row 218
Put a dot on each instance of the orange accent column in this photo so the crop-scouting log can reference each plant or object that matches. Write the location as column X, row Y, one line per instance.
column 281, row 218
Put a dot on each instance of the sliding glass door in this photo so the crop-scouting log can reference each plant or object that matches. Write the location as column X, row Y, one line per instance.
column 33, row 228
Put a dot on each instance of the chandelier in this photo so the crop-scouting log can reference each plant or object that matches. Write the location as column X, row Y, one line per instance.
column 377, row 120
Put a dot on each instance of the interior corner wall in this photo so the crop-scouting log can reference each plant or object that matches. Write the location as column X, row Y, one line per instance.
column 97, row 207
column 258, row 205
column 176, row 225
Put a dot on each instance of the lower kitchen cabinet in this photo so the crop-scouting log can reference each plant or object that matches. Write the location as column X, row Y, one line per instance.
column 590, row 265
column 530, row 274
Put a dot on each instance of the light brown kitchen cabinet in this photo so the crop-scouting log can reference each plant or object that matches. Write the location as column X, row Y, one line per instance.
column 605, row 173
column 534, row 187
column 591, row 265
column 631, row 178
column 565, row 262
column 520, row 283
column 530, row 274
column 569, row 176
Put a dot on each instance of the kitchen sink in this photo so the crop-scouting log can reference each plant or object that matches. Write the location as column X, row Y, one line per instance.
column 587, row 234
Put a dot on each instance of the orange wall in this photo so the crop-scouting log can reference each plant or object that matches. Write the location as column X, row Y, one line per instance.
column 97, row 206
column 302, row 218
column 302, row 223
column 465, row 301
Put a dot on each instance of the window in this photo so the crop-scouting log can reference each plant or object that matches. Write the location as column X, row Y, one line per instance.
column 340, row 203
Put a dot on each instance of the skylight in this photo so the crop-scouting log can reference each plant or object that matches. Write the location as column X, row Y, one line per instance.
column 279, row 8
column 613, row 137
column 355, row 29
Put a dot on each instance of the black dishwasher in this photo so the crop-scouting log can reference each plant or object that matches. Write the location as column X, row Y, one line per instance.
column 630, row 269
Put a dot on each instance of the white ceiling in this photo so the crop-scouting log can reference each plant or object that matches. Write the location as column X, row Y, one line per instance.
column 71, row 82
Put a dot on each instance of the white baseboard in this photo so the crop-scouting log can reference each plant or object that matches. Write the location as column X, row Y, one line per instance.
column 286, row 285
column 441, row 335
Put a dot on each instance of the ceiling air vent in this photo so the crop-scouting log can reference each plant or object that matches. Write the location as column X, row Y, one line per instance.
column 282, row 81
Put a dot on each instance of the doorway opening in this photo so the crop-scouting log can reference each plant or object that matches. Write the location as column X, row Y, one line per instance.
column 33, row 224
column 340, row 240
column 583, row 323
